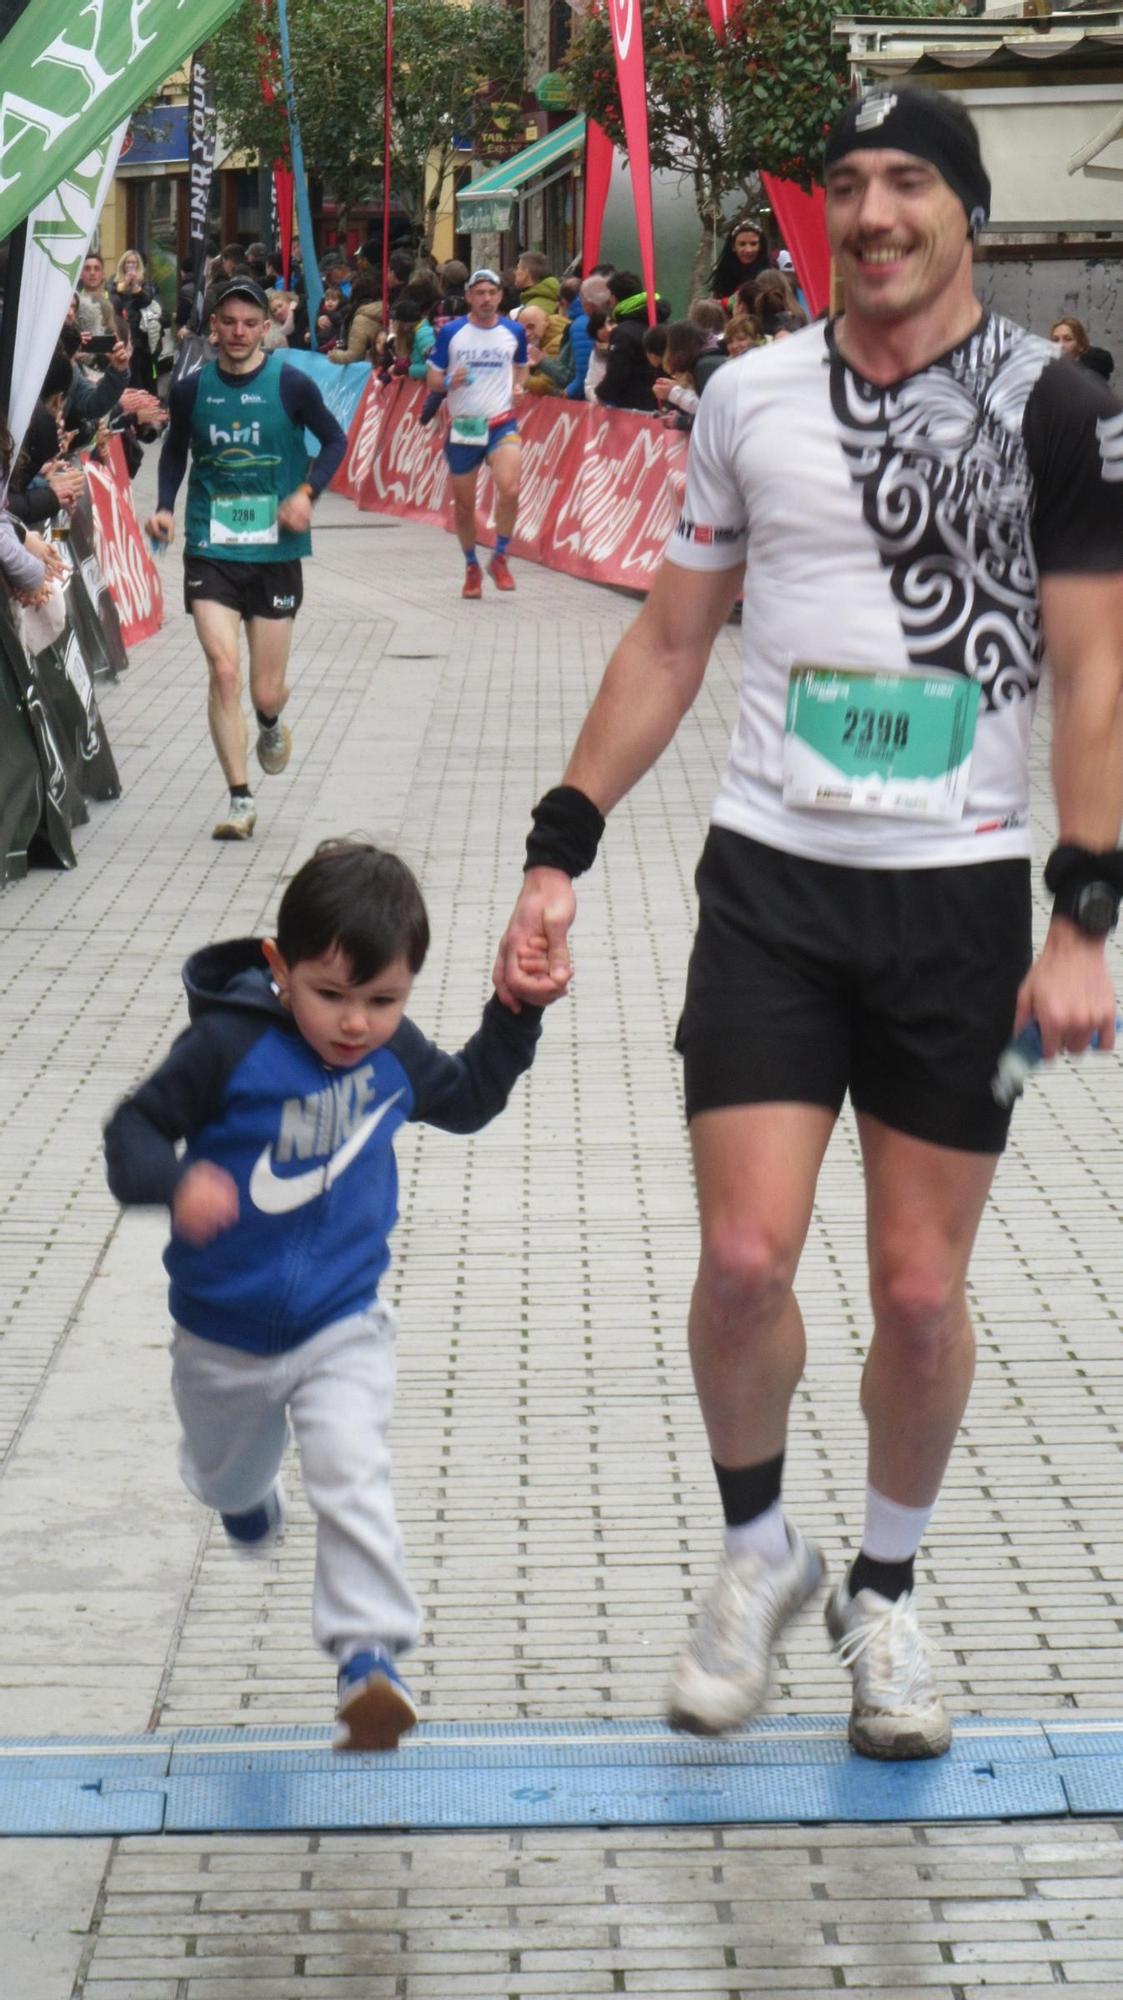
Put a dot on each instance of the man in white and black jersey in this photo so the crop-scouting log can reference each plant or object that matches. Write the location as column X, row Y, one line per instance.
column 916, row 502
column 482, row 362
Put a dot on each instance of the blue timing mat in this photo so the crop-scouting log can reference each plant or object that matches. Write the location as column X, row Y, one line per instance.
column 450, row 1776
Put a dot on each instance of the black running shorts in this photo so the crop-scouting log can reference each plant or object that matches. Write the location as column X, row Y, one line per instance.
column 808, row 980
column 253, row 590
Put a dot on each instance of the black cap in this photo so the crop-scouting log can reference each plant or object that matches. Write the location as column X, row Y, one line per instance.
column 241, row 288
column 910, row 119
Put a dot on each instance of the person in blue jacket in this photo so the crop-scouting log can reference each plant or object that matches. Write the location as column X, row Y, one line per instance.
column 287, row 1089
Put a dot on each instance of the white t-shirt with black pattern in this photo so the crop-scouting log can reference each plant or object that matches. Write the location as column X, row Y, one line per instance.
column 900, row 528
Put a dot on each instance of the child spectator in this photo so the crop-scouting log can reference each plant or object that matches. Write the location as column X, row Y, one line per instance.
column 678, row 389
column 362, row 322
column 743, row 331
column 298, row 1068
column 329, row 319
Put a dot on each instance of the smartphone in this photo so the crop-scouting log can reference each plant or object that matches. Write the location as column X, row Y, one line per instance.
column 101, row 343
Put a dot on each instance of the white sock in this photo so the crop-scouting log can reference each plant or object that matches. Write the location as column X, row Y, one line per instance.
column 766, row 1536
column 893, row 1533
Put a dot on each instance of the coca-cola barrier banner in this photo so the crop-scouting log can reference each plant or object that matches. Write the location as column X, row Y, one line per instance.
column 122, row 548
column 600, row 491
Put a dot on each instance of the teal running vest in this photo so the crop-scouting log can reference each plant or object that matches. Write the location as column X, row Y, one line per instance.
column 247, row 456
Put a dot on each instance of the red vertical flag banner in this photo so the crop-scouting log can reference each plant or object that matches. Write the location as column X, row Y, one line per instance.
column 598, row 174
column 721, row 13
column 627, row 41
column 803, row 220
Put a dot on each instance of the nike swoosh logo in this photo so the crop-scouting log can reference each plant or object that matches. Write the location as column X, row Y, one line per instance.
column 275, row 1196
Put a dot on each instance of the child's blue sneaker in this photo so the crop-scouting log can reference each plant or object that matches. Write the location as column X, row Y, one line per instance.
column 253, row 1533
column 375, row 1705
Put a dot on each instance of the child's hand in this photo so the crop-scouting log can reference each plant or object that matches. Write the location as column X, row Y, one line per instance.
column 205, row 1203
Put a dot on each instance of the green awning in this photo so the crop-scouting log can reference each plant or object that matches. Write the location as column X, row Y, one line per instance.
column 487, row 203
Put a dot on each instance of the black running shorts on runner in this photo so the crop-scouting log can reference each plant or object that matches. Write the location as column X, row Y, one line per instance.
column 253, row 590
column 808, row 980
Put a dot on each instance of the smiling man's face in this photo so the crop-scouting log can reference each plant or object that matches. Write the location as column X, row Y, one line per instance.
column 897, row 231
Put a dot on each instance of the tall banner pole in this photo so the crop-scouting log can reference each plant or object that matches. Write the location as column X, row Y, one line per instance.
column 386, row 114
column 201, row 129
column 627, row 41
column 313, row 288
column 13, row 277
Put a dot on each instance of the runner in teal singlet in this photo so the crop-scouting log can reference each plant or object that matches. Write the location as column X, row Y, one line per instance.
column 243, row 418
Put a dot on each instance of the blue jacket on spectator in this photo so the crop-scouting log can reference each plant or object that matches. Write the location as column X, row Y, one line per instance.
column 580, row 348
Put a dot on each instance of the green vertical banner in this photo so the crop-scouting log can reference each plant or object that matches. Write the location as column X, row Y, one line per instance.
column 71, row 74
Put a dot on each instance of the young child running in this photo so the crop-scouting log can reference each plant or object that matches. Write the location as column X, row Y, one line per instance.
column 288, row 1087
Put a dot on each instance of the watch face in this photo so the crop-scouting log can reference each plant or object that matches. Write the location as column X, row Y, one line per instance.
column 1097, row 908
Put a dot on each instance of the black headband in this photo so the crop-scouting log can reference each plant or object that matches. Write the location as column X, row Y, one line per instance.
column 922, row 123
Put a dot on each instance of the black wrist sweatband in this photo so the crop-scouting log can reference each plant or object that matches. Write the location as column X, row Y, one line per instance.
column 565, row 833
column 1071, row 868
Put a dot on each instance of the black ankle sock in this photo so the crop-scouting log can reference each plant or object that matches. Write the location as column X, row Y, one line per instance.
column 890, row 1580
column 265, row 721
column 748, row 1490
column 240, row 792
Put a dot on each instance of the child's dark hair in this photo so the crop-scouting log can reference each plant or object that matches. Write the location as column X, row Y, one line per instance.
column 359, row 898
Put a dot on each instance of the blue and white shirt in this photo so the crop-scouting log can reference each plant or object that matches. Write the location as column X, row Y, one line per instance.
column 491, row 355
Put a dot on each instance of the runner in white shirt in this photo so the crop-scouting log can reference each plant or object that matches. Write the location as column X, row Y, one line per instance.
column 929, row 502
column 482, row 361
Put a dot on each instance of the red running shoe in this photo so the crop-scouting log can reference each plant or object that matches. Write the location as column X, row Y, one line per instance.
column 500, row 574
column 473, row 581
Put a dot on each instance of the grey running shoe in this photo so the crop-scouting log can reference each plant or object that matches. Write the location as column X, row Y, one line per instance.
column 274, row 748
column 897, row 1710
column 721, row 1680
column 238, row 821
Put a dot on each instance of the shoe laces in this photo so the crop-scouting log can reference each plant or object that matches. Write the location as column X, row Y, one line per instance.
column 892, row 1652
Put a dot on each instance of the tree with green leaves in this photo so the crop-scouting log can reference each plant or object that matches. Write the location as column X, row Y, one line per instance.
column 445, row 57
column 722, row 113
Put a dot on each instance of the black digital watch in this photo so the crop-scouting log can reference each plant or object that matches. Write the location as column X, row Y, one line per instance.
column 1086, row 888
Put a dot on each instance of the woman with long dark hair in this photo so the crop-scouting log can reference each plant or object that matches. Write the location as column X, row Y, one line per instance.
column 744, row 256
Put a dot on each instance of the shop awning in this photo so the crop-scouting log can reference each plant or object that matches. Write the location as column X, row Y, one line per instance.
column 488, row 203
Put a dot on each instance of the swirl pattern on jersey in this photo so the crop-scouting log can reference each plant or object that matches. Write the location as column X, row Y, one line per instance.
column 947, row 493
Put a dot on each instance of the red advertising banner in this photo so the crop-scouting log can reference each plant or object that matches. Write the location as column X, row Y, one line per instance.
column 627, row 40
column 122, row 549
column 600, row 491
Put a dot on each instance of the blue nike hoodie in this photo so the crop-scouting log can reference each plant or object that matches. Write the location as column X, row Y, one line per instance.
column 310, row 1148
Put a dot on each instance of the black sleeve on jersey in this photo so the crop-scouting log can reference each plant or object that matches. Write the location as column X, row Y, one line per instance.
column 177, row 441
column 1073, row 432
column 304, row 404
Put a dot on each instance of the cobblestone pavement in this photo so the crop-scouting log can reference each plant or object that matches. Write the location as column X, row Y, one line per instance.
column 549, row 1462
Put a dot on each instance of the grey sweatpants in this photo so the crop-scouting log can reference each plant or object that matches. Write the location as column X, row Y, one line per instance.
column 337, row 1391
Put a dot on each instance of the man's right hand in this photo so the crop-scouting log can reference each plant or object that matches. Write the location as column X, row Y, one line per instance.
column 533, row 963
column 205, row 1203
column 161, row 526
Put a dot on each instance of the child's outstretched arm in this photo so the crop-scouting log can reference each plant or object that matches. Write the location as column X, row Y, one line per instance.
column 175, row 1102
column 464, row 1092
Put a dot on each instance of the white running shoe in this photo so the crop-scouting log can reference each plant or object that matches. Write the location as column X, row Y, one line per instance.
column 721, row 1680
column 274, row 747
column 239, row 820
column 897, row 1709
